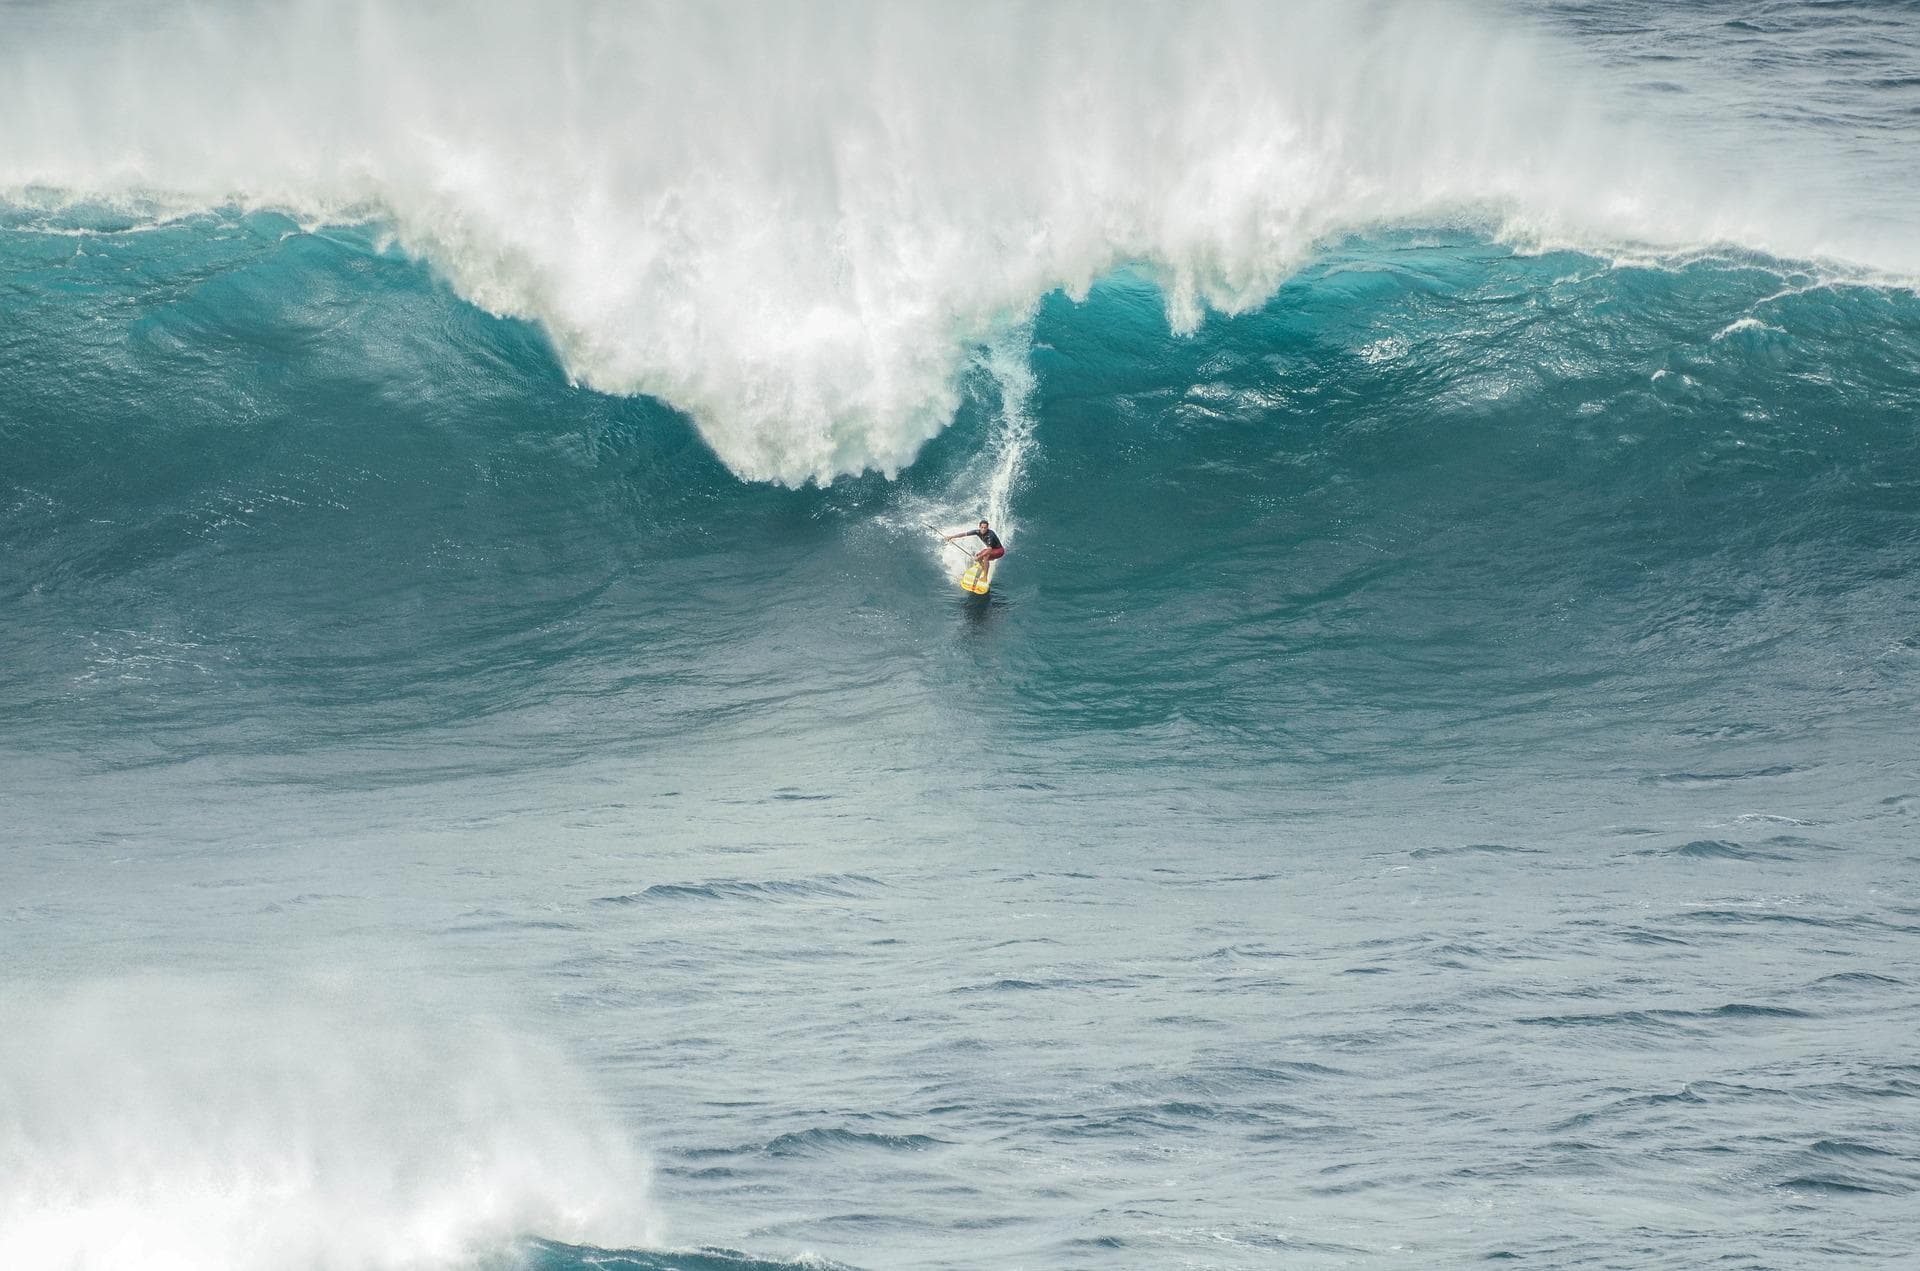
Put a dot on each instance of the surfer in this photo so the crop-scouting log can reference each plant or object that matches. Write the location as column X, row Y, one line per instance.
column 993, row 551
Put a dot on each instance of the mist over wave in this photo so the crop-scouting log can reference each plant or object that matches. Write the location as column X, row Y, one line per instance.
column 795, row 224
column 174, row 1125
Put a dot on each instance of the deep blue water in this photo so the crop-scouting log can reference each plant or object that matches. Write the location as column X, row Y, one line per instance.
column 1435, row 780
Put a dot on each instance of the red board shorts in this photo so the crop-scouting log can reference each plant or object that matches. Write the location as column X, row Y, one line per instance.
column 993, row 553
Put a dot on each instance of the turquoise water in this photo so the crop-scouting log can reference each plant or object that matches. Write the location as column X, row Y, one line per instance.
column 495, row 773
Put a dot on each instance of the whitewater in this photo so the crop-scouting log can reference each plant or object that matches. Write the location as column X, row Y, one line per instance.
column 495, row 774
column 794, row 226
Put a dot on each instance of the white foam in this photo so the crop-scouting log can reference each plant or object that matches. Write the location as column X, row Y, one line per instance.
column 984, row 486
column 1742, row 324
column 795, row 222
column 175, row 1126
column 1009, row 360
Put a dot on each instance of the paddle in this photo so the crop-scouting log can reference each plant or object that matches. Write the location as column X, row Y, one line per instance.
column 947, row 542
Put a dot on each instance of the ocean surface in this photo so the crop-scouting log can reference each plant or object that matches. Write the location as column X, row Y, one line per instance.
column 496, row 774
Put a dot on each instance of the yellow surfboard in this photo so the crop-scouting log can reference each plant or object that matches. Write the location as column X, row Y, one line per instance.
column 978, row 578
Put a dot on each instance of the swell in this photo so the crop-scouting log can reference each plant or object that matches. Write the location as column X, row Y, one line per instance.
column 253, row 471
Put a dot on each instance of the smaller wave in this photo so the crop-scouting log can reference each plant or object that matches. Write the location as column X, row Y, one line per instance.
column 1472, row 849
column 835, row 1139
column 1768, row 917
column 1642, row 935
column 837, row 887
column 1858, row 979
column 1665, row 1019
column 1832, row 1185
column 1720, row 778
column 1847, row 1148
column 1012, row 986
column 1285, row 1072
column 1745, row 324
column 1629, row 1106
column 1747, row 1010
column 547, row 1255
column 1607, row 1019
column 1716, row 850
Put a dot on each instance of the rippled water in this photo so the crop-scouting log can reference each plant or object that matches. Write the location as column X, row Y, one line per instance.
column 1435, row 781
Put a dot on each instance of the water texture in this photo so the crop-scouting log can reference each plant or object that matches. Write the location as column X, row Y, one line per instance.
column 494, row 772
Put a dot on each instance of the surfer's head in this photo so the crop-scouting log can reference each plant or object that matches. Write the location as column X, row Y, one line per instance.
column 983, row 522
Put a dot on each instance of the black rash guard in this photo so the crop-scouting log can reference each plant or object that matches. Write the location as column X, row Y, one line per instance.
column 986, row 536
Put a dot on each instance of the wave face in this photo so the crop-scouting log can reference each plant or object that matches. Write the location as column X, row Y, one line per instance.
column 793, row 229
column 252, row 464
column 1433, row 783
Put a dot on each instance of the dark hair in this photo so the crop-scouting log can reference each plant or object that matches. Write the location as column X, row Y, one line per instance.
column 983, row 520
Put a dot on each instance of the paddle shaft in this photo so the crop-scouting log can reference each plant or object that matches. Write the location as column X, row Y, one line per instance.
column 955, row 546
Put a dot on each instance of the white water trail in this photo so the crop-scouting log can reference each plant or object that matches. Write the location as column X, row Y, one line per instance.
column 794, row 222
column 1010, row 362
column 984, row 488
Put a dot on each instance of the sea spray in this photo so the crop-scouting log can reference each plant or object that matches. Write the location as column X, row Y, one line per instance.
column 795, row 226
column 1009, row 361
column 179, row 1125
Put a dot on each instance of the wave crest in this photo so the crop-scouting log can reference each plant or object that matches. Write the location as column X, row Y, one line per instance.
column 795, row 227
